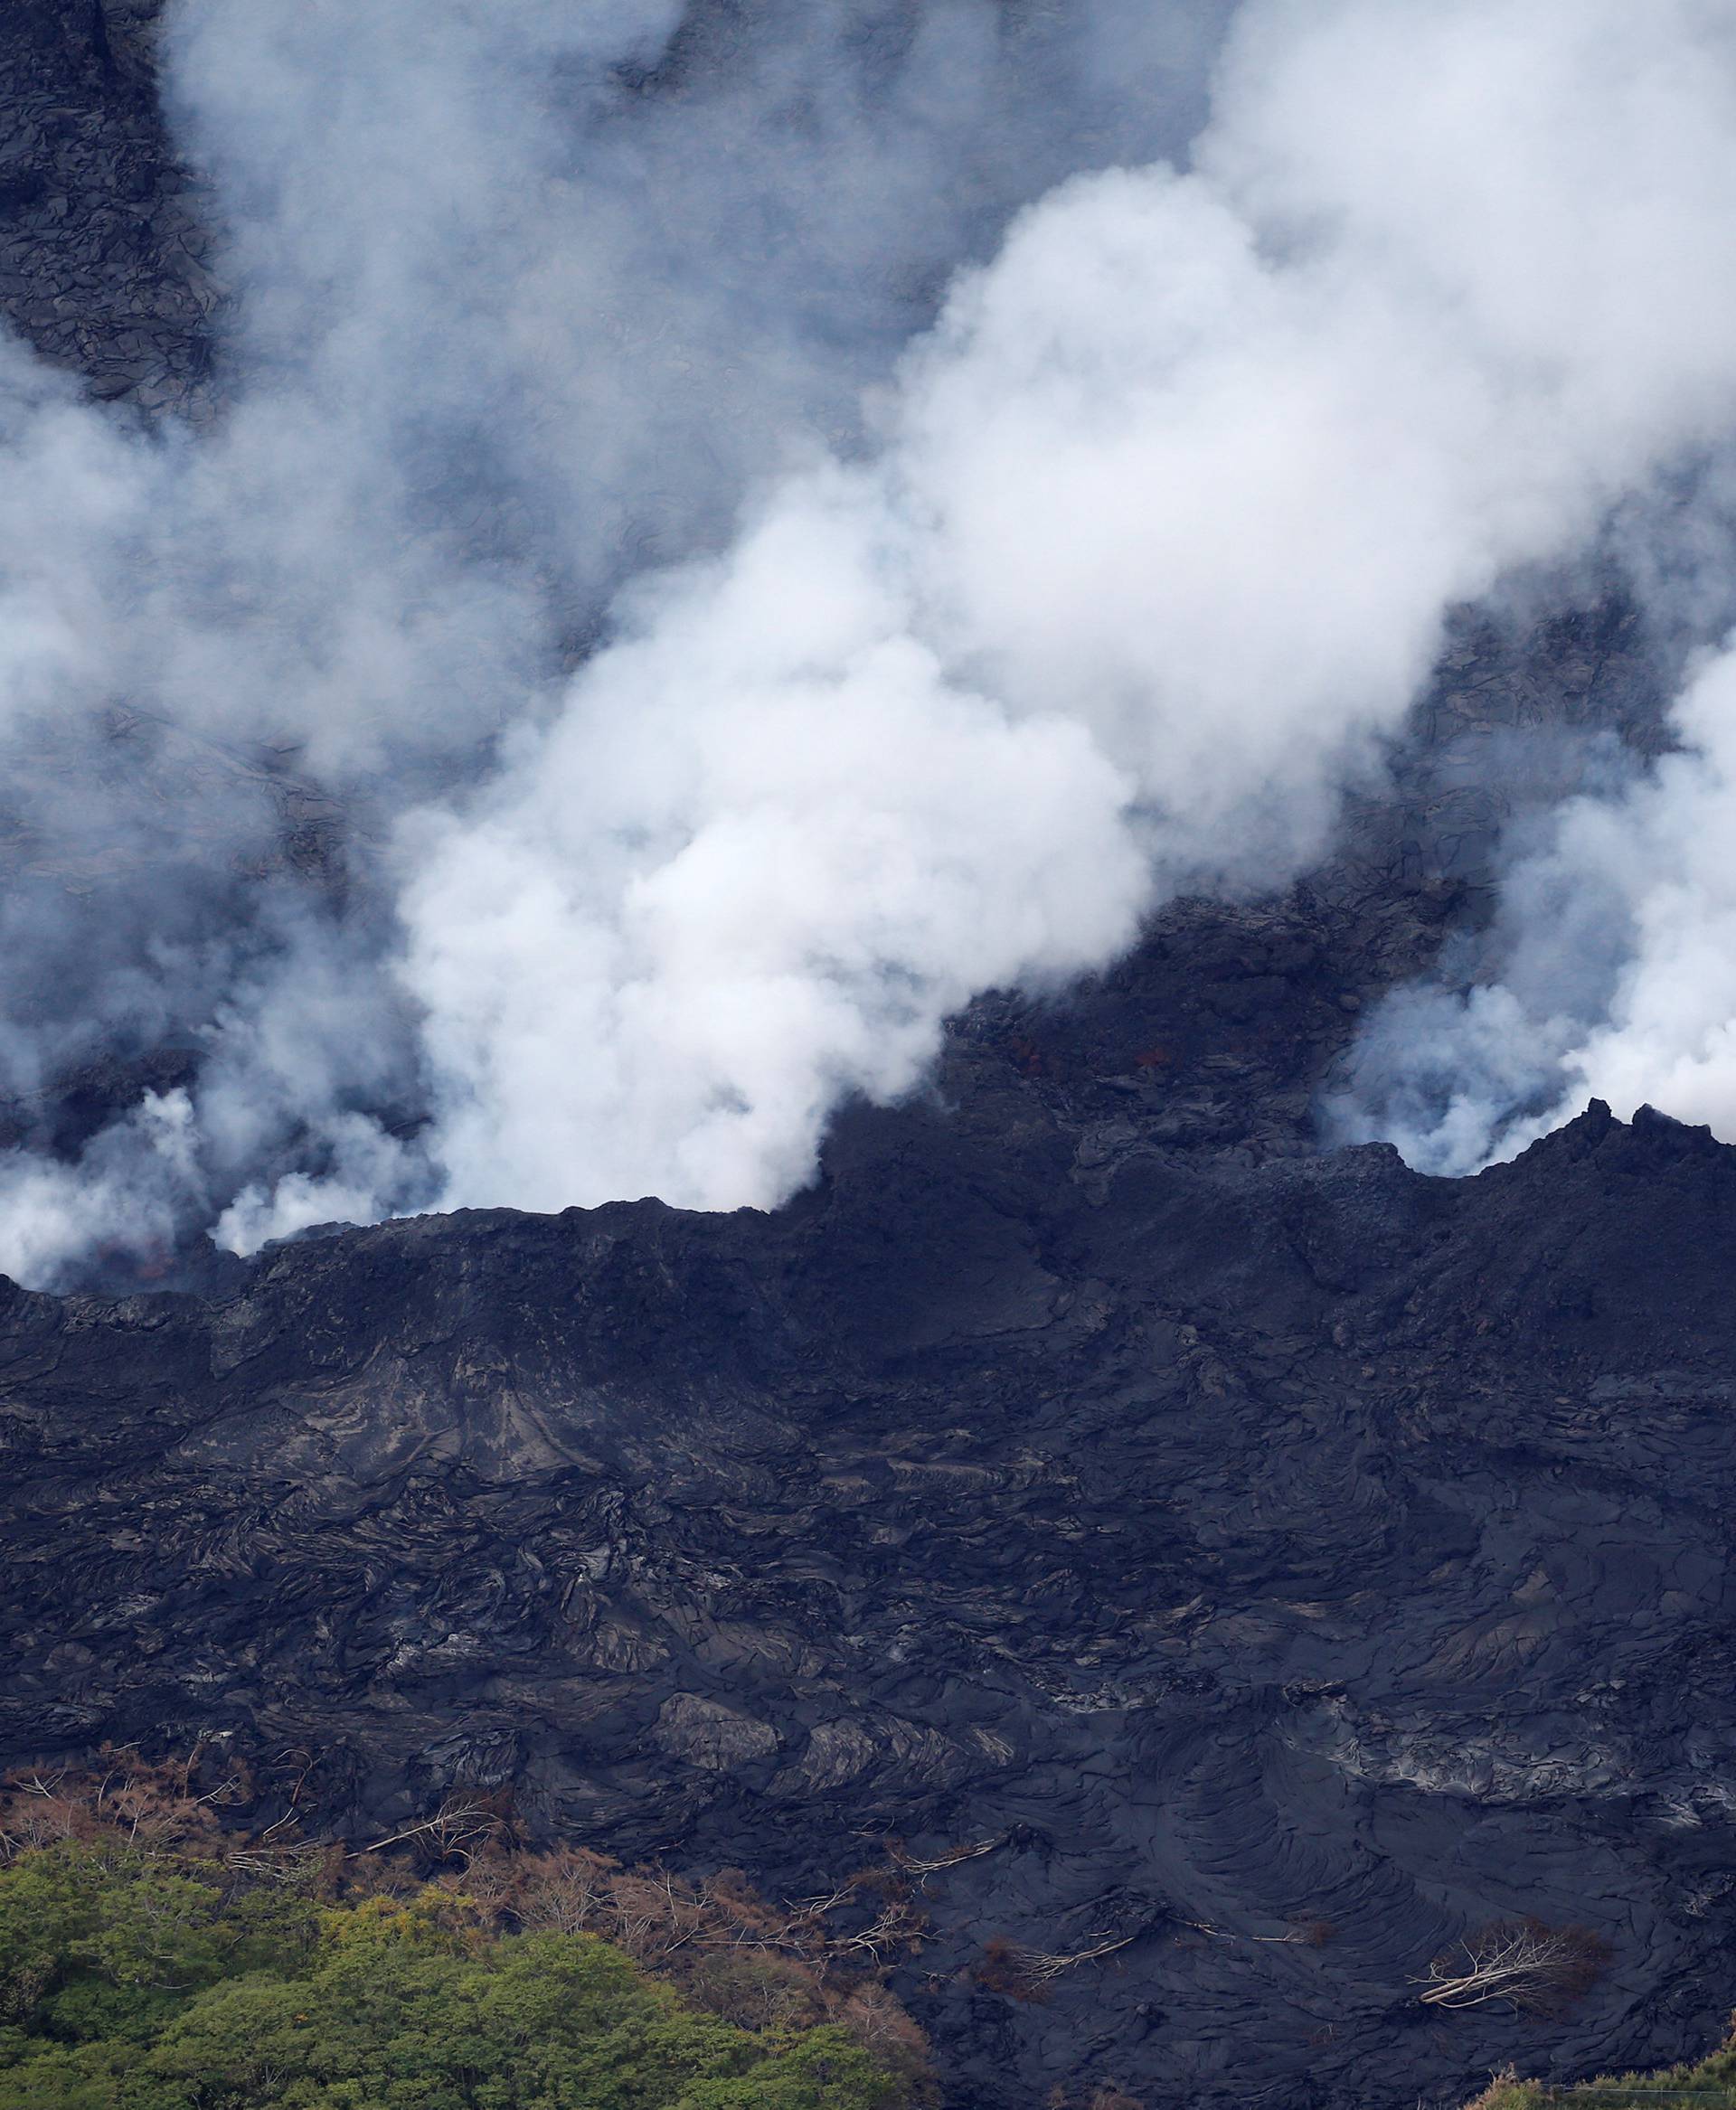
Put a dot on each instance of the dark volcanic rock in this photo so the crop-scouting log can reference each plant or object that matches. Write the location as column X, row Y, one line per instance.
column 1245, row 1539
column 104, row 243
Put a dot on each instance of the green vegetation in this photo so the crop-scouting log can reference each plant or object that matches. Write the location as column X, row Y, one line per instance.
column 137, row 1978
column 1708, row 2086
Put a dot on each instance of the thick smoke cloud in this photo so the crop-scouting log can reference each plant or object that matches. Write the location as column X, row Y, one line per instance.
column 1101, row 589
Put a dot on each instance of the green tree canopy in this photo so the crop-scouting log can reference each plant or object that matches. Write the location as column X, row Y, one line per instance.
column 132, row 1981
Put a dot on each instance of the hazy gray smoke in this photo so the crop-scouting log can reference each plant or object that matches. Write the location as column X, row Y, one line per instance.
column 1102, row 588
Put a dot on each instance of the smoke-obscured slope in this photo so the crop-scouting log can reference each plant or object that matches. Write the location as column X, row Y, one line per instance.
column 1102, row 590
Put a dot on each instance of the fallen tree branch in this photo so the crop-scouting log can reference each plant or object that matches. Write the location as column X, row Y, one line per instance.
column 1519, row 1963
column 1044, row 1967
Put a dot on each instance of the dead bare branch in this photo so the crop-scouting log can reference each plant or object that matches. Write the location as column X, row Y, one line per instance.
column 1521, row 1963
column 913, row 1866
column 455, row 1823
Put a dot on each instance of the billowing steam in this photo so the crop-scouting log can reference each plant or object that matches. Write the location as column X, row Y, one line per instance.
column 1101, row 586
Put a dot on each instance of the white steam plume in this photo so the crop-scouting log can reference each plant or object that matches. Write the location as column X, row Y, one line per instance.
column 1168, row 510
column 1130, row 559
column 1617, row 978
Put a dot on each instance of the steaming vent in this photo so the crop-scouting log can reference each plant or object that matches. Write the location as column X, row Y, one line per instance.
column 709, row 537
